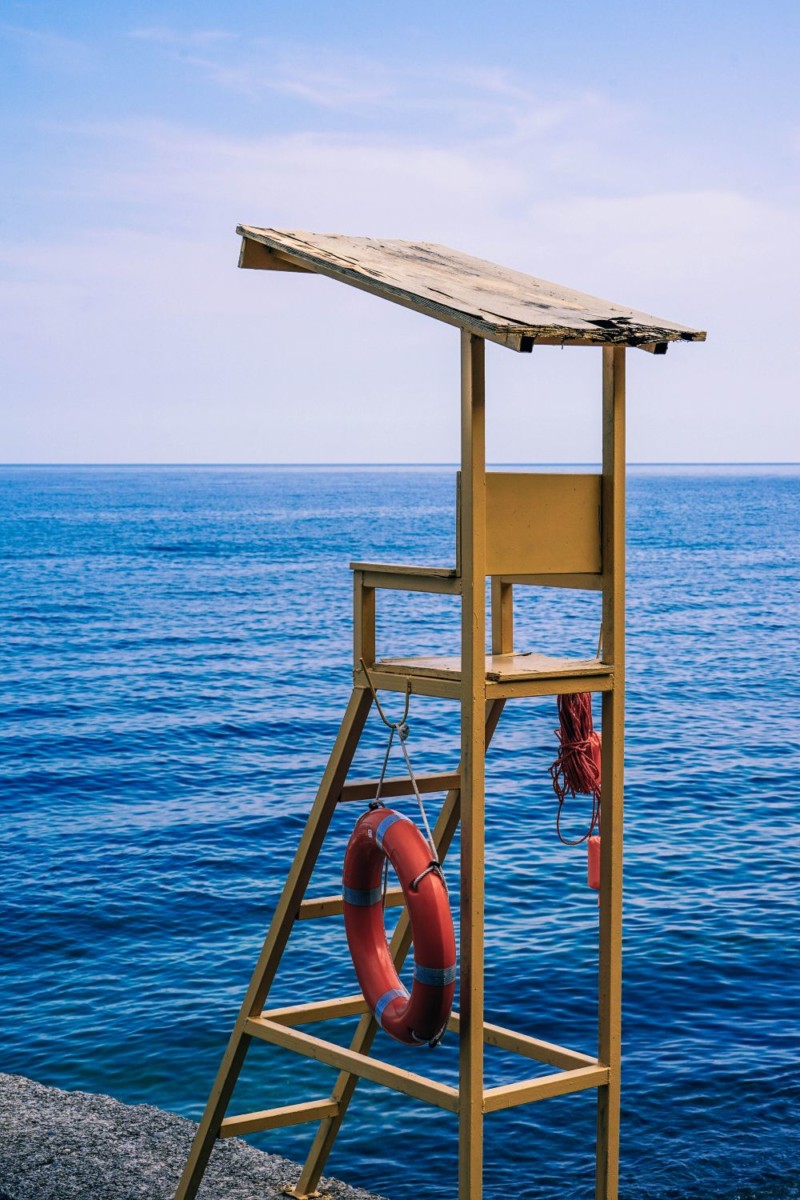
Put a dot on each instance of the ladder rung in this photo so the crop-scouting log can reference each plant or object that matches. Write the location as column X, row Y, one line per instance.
column 277, row 1118
column 318, row 1010
column 367, row 789
column 561, row 1084
column 332, row 906
column 333, row 1055
column 529, row 1047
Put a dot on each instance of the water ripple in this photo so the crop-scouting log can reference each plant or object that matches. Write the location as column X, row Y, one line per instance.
column 175, row 662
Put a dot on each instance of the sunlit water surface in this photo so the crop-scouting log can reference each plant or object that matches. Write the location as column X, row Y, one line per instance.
column 175, row 664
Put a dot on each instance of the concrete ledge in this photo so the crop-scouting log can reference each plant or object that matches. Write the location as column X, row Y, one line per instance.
column 78, row 1146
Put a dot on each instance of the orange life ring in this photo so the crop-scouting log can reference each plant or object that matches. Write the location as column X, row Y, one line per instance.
column 422, row 1015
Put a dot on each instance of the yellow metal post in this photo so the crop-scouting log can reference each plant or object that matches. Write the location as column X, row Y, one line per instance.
column 610, row 957
column 473, row 703
column 363, row 621
column 502, row 616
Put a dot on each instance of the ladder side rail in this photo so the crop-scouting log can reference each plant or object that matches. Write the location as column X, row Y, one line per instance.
column 285, row 913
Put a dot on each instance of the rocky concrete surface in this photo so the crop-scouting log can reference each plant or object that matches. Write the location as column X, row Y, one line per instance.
column 58, row 1145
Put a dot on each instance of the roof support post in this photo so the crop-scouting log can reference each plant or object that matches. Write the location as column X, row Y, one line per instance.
column 610, row 958
column 473, row 755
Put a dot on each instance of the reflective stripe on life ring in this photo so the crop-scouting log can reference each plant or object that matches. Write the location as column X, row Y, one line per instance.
column 421, row 1015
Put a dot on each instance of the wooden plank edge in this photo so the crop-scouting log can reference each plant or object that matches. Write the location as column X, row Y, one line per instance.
column 278, row 1118
column 509, row 338
column 434, row 585
column 557, row 579
column 402, row 569
column 255, row 256
column 554, row 685
column 417, row 685
column 513, row 336
column 651, row 338
column 412, row 667
column 394, row 577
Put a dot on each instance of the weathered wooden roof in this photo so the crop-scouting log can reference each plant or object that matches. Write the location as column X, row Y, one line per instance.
column 494, row 302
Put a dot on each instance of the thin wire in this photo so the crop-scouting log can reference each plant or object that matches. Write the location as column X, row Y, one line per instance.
column 413, row 779
column 385, row 885
column 376, row 803
column 401, row 728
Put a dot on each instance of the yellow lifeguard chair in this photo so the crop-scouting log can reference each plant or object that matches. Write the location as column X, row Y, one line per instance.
column 549, row 530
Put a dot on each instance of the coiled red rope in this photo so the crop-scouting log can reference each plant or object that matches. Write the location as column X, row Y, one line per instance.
column 576, row 770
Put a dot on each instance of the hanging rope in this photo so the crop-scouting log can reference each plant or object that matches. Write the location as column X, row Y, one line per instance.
column 576, row 770
column 377, row 802
column 401, row 729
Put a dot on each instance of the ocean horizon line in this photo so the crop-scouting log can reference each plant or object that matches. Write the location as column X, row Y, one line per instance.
column 394, row 465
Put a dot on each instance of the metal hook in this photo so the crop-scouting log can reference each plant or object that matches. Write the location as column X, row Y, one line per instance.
column 401, row 726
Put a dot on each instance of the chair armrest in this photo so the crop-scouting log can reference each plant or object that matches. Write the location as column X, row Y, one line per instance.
column 399, row 577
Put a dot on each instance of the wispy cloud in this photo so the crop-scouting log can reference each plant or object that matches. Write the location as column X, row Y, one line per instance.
column 453, row 99
column 163, row 36
column 654, row 247
column 143, row 270
column 47, row 50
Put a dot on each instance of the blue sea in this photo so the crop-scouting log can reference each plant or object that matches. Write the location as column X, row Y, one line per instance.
column 175, row 663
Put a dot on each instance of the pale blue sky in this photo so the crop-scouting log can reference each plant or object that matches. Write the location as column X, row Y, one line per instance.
column 648, row 153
